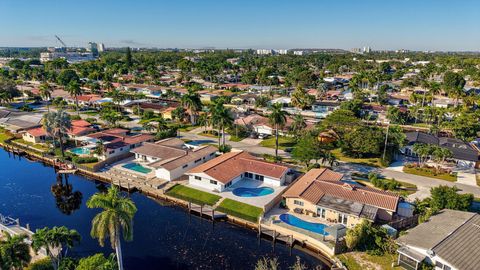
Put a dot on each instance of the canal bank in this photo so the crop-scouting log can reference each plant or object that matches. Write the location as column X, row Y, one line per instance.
column 164, row 233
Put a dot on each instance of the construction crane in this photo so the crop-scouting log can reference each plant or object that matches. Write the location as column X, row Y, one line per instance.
column 63, row 43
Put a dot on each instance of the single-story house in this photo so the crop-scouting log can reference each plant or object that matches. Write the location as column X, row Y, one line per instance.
column 118, row 141
column 324, row 108
column 80, row 128
column 320, row 193
column 449, row 240
column 170, row 158
column 163, row 106
column 35, row 135
column 463, row 153
column 220, row 173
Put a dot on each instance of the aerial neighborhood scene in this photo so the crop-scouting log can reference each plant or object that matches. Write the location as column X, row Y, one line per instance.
column 239, row 135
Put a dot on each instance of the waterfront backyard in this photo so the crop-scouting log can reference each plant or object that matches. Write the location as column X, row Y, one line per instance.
column 163, row 234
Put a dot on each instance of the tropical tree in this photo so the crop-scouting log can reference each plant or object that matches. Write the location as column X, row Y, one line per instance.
column 46, row 93
column 57, row 124
column 191, row 102
column 277, row 118
column 298, row 125
column 117, row 97
column 110, row 116
column 54, row 241
column 204, row 120
column 8, row 91
column 453, row 84
column 97, row 262
column 301, row 99
column 73, row 88
column 221, row 118
column 115, row 218
column 14, row 251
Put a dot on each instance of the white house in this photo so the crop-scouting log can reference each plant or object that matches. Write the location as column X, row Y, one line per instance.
column 170, row 158
column 227, row 169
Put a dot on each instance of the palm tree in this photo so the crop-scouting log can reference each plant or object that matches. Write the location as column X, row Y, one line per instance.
column 191, row 102
column 277, row 118
column 57, row 124
column 117, row 97
column 204, row 120
column 221, row 118
column 14, row 251
column 73, row 88
column 46, row 93
column 298, row 125
column 54, row 241
column 117, row 215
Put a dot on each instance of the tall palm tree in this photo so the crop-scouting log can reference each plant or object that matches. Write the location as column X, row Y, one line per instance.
column 73, row 88
column 117, row 216
column 46, row 93
column 298, row 125
column 204, row 120
column 277, row 118
column 221, row 118
column 117, row 97
column 191, row 102
column 55, row 241
column 14, row 252
column 57, row 124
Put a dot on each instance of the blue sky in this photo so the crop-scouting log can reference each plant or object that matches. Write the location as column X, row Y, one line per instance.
column 387, row 24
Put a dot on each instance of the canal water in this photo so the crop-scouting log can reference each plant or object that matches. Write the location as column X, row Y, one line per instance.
column 165, row 237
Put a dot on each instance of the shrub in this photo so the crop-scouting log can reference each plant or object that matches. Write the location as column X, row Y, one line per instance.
column 75, row 117
column 225, row 148
column 81, row 160
column 43, row 264
column 167, row 133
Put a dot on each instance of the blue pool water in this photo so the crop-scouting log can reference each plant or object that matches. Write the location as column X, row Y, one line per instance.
column 252, row 192
column 300, row 223
column 136, row 167
column 80, row 151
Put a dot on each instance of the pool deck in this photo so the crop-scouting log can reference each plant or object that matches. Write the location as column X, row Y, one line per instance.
column 259, row 201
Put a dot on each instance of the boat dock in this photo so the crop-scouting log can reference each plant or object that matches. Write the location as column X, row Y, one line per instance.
column 205, row 211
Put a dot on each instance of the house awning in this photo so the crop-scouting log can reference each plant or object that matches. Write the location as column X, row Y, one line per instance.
column 412, row 254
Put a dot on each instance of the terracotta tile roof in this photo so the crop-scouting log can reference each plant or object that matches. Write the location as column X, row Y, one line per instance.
column 37, row 132
column 89, row 98
column 80, row 123
column 76, row 130
column 138, row 138
column 230, row 165
column 319, row 182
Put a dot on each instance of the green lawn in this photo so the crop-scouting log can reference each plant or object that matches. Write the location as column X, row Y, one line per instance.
column 430, row 173
column 234, row 138
column 375, row 162
column 37, row 146
column 283, row 142
column 241, row 210
column 193, row 195
column 187, row 128
column 207, row 134
column 4, row 136
column 362, row 260
column 400, row 191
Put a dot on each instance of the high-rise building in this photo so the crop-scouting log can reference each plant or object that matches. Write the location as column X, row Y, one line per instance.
column 93, row 48
column 101, row 47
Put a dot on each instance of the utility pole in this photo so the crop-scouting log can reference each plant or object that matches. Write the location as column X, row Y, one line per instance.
column 386, row 141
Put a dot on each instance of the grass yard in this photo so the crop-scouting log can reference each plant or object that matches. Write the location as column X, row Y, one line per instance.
column 375, row 162
column 4, row 136
column 208, row 134
column 234, row 138
column 193, row 195
column 37, row 146
column 283, row 142
column 239, row 209
column 405, row 189
column 362, row 260
column 429, row 173
column 187, row 128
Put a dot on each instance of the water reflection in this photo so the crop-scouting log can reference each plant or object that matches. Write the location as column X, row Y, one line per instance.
column 67, row 200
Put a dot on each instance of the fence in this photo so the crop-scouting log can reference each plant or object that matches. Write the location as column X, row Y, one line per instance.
column 403, row 223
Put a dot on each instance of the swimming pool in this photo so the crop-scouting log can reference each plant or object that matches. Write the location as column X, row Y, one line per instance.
column 302, row 224
column 80, row 151
column 252, row 192
column 136, row 167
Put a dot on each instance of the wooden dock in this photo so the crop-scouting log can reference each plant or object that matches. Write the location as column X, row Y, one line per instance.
column 205, row 211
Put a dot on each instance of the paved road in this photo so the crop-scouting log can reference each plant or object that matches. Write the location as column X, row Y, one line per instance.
column 256, row 149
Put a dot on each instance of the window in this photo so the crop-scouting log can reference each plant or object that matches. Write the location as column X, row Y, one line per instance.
column 184, row 166
column 228, row 184
column 198, row 160
column 248, row 175
column 297, row 202
column 321, row 212
column 213, row 182
column 212, row 154
column 258, row 177
column 446, row 267
column 439, row 265
column 198, row 178
column 342, row 218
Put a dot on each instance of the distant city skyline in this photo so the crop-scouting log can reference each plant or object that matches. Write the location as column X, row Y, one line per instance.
column 381, row 25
